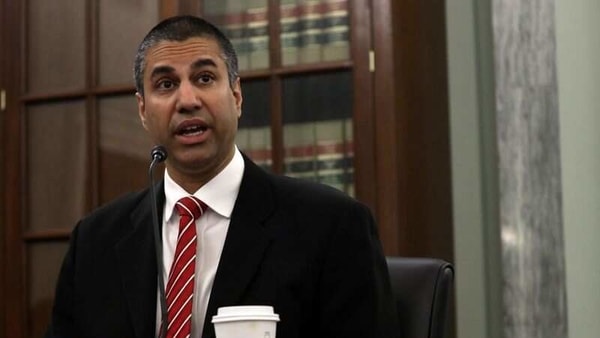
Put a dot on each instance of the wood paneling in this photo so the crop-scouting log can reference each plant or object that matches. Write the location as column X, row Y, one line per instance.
column 364, row 123
column 56, row 149
column 422, row 135
column 3, row 70
column 13, row 303
column 421, row 99
column 390, row 176
column 55, row 40
column 44, row 260
column 412, row 177
column 119, row 35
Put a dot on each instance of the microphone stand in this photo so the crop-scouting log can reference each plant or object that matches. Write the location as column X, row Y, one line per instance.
column 158, row 154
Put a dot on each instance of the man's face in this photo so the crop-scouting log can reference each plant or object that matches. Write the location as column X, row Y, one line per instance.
column 190, row 108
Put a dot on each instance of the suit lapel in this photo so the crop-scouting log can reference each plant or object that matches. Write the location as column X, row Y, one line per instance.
column 137, row 266
column 245, row 243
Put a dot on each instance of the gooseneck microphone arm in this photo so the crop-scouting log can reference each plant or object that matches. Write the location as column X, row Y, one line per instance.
column 158, row 154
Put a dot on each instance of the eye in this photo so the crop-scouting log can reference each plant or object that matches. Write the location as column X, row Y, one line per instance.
column 165, row 84
column 205, row 78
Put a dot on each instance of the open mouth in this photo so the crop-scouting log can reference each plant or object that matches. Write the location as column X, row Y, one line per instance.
column 191, row 130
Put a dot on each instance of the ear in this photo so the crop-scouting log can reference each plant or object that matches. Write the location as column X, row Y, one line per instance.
column 237, row 96
column 141, row 109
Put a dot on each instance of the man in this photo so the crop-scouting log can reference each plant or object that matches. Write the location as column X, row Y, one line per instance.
column 306, row 249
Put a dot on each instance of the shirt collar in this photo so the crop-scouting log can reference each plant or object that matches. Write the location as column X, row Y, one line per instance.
column 219, row 194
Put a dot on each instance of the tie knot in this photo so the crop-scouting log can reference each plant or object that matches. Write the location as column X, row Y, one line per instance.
column 190, row 206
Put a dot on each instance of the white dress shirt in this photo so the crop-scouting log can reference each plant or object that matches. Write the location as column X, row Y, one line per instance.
column 219, row 194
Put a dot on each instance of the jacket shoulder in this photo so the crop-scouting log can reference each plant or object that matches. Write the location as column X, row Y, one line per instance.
column 113, row 220
column 118, row 207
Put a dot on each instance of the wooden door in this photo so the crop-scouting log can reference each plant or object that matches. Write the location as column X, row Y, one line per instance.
column 71, row 134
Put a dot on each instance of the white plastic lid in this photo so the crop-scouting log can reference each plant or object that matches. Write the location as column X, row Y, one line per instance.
column 245, row 312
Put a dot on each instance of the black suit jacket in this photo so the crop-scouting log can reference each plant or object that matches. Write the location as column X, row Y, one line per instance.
column 306, row 249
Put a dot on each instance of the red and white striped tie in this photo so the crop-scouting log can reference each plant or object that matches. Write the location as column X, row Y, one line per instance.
column 180, row 286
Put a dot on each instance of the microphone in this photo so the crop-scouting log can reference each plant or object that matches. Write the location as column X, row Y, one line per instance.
column 158, row 154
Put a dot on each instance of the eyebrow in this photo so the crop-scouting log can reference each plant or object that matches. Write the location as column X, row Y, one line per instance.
column 161, row 70
column 203, row 62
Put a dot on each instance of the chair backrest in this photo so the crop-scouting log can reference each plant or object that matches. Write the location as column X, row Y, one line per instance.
column 422, row 288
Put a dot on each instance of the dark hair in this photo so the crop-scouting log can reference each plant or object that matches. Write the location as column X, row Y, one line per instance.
column 181, row 28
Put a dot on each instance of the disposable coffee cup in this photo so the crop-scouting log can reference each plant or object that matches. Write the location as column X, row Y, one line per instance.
column 245, row 321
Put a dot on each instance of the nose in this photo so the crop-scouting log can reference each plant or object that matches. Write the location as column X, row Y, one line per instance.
column 188, row 100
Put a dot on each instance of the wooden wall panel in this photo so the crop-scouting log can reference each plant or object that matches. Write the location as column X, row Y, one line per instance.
column 3, row 70
column 422, row 132
column 413, row 176
column 422, row 97
column 55, row 41
column 13, row 280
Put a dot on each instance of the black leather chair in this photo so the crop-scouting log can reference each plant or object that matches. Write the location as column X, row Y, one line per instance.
column 422, row 288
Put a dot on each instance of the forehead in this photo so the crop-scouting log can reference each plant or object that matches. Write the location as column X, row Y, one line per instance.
column 183, row 53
